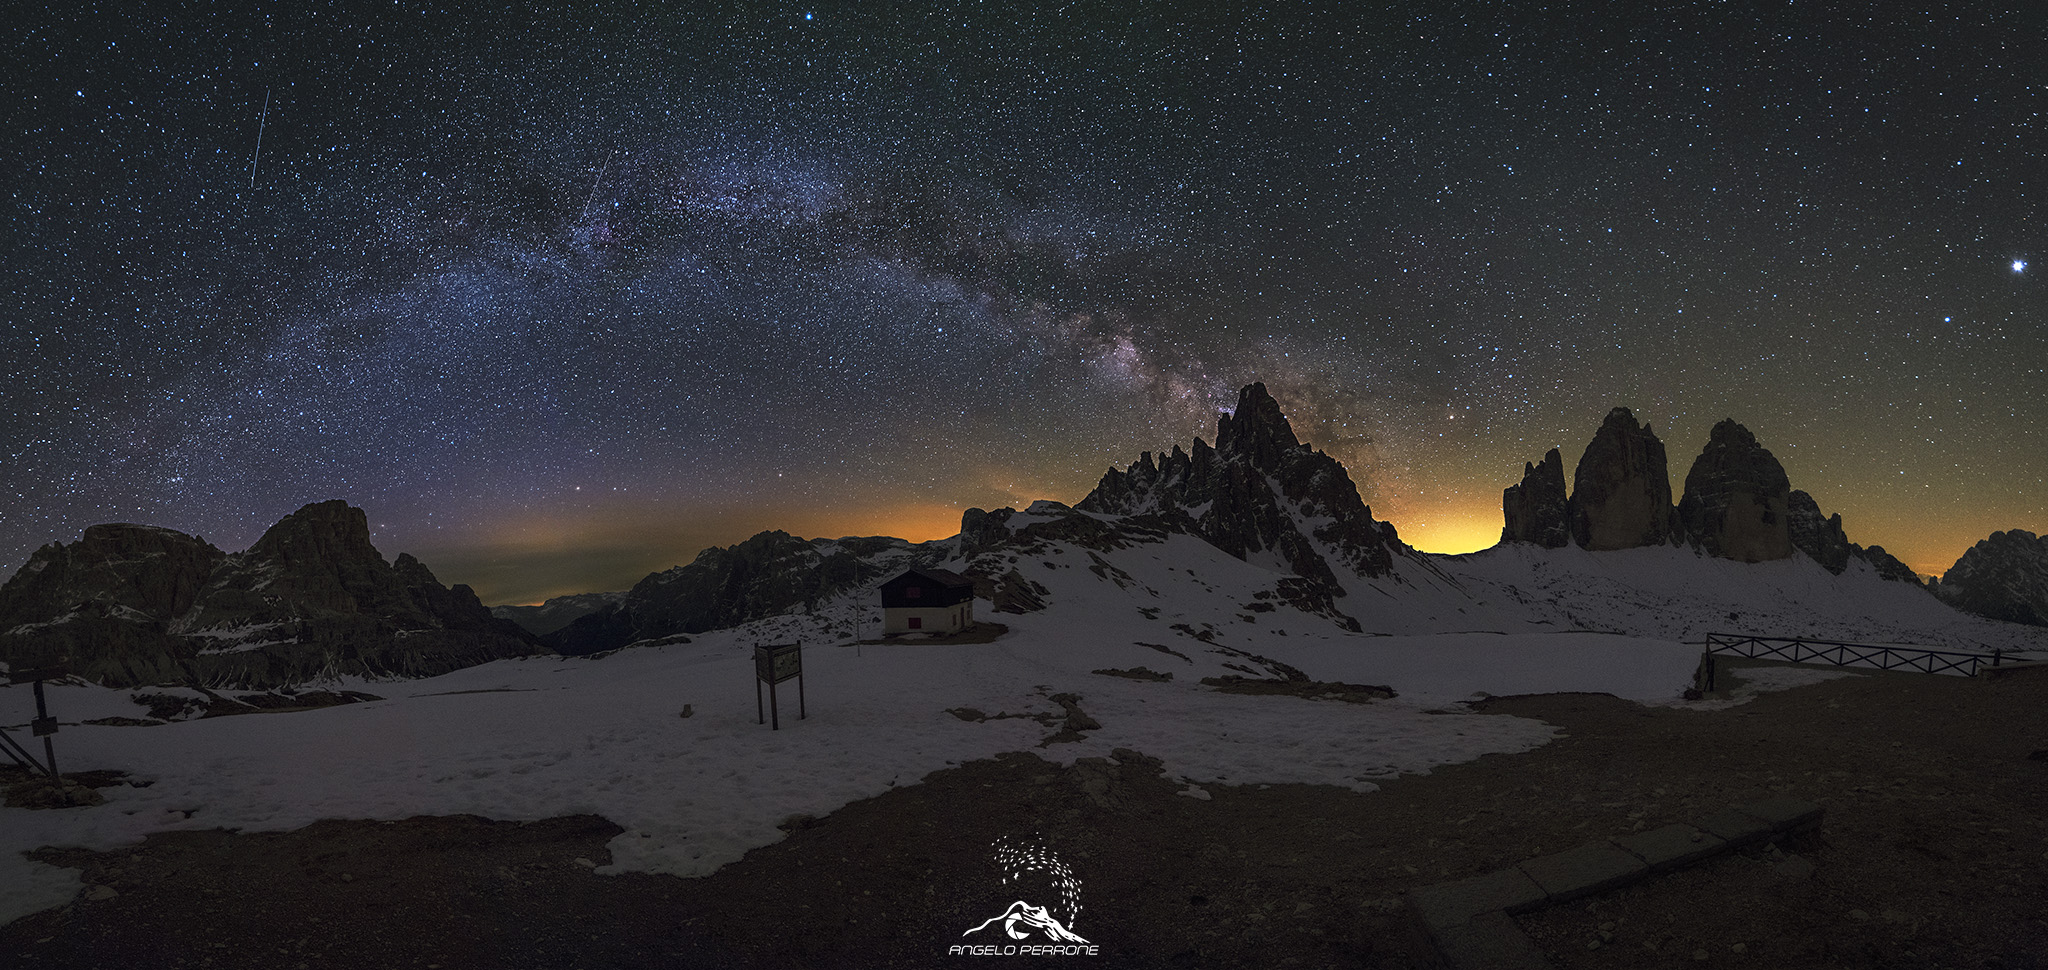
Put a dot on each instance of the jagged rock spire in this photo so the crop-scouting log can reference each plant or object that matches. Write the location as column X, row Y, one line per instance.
column 1621, row 492
column 1536, row 510
column 1736, row 502
column 1252, row 494
column 1257, row 430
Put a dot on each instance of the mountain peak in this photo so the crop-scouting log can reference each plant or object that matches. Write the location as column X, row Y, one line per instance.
column 2004, row 577
column 1621, row 493
column 1261, row 493
column 330, row 530
column 1257, row 429
column 133, row 604
column 1537, row 510
column 1737, row 498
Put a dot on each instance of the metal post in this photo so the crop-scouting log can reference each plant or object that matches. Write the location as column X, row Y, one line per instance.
column 801, row 713
column 46, row 726
column 773, row 714
column 18, row 753
column 760, row 716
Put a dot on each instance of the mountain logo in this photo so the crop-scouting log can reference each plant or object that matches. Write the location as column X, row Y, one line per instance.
column 1033, row 917
column 1031, row 871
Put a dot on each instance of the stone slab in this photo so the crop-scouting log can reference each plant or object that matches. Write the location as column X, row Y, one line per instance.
column 1735, row 827
column 1784, row 814
column 1450, row 904
column 1490, row 941
column 1671, row 847
column 1584, row 871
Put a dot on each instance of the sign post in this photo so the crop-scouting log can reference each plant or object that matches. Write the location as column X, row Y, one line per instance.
column 773, row 664
column 43, row 726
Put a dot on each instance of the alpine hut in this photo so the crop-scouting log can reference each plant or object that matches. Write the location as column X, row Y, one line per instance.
column 926, row 600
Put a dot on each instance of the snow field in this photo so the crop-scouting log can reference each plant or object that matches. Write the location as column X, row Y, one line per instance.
column 541, row 737
column 530, row 739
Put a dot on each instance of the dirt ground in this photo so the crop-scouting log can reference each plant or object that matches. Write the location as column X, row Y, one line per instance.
column 1933, row 853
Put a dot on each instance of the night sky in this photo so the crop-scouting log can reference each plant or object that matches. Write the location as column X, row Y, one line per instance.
column 561, row 298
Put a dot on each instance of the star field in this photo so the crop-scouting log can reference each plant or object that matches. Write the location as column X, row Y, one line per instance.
column 561, row 297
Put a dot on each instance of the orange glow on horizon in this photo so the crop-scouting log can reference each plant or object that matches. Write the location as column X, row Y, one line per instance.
column 915, row 522
column 1449, row 529
column 530, row 559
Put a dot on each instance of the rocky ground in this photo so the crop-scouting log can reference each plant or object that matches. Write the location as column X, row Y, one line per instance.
column 1933, row 854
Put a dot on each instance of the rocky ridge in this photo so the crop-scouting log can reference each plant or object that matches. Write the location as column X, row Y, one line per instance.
column 1823, row 540
column 1738, row 502
column 1260, row 495
column 773, row 573
column 131, row 605
column 2004, row 577
column 770, row 573
column 1537, row 510
column 557, row 611
column 1261, row 492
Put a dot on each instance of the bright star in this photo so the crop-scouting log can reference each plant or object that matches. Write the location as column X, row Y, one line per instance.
column 2019, row 265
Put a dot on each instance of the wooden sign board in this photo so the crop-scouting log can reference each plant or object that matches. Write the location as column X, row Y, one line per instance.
column 777, row 662
column 36, row 674
column 773, row 664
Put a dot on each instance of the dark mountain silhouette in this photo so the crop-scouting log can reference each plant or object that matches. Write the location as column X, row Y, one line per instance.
column 768, row 574
column 2004, row 577
column 1261, row 492
column 1537, row 510
column 129, row 605
column 1738, row 502
column 137, row 604
column 1621, row 495
column 557, row 612
column 1253, row 495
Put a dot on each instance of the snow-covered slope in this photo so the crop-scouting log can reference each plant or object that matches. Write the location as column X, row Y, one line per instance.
column 1680, row 594
column 526, row 739
column 531, row 738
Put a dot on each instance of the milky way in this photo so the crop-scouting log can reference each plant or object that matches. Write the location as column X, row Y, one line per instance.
column 560, row 298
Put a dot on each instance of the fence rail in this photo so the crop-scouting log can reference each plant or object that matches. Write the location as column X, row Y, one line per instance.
column 1804, row 650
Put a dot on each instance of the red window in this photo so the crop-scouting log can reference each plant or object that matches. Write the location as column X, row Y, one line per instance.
column 917, row 623
column 913, row 592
